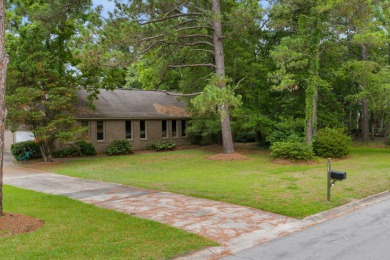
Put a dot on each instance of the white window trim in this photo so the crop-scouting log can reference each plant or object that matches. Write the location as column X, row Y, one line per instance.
column 146, row 130
column 132, row 130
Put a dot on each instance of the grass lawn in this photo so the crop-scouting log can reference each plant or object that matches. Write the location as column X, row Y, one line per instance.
column 74, row 230
column 296, row 190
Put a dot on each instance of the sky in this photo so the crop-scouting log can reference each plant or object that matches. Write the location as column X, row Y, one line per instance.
column 108, row 6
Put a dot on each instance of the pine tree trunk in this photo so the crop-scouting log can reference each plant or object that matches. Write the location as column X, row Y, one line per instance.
column 45, row 152
column 311, row 123
column 366, row 128
column 3, row 75
column 227, row 139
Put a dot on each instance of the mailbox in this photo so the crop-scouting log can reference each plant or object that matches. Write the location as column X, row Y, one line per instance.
column 338, row 175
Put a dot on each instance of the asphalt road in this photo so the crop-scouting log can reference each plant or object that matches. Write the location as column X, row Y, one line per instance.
column 362, row 234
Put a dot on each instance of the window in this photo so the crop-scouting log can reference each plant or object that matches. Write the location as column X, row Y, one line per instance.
column 85, row 134
column 142, row 129
column 174, row 128
column 100, row 130
column 128, row 130
column 183, row 128
column 164, row 129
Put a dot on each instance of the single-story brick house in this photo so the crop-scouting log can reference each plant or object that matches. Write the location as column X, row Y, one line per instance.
column 139, row 116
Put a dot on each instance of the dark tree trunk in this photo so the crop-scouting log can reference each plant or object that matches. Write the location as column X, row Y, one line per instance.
column 311, row 123
column 372, row 127
column 258, row 137
column 227, row 138
column 309, row 133
column 44, row 147
column 315, row 112
column 3, row 76
column 366, row 128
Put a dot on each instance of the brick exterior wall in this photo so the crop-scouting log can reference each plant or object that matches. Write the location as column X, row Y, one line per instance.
column 115, row 130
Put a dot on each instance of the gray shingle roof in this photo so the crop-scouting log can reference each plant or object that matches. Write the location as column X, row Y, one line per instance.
column 130, row 104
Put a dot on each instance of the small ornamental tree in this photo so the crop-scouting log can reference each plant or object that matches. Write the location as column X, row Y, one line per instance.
column 42, row 86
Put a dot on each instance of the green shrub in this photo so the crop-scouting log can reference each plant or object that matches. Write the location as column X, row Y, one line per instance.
column 331, row 143
column 161, row 146
column 195, row 139
column 387, row 142
column 86, row 149
column 18, row 149
column 283, row 130
column 119, row 147
column 244, row 137
column 80, row 148
column 295, row 150
column 72, row 151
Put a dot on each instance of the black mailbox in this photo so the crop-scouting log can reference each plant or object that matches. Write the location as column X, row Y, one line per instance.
column 338, row 175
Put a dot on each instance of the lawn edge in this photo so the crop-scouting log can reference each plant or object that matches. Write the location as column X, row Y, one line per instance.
column 347, row 208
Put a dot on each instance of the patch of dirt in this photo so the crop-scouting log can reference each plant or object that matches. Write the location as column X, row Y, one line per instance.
column 228, row 157
column 242, row 148
column 288, row 162
column 13, row 224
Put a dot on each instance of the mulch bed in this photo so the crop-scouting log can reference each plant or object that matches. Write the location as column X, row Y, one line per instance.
column 228, row 157
column 13, row 224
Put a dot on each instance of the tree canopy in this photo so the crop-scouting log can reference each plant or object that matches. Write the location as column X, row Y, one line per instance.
column 254, row 71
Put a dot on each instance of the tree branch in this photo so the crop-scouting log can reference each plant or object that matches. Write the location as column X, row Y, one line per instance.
column 193, row 65
column 264, row 23
column 192, row 44
column 150, row 47
column 195, row 35
column 169, row 17
column 238, row 83
column 185, row 22
column 210, row 51
column 180, row 95
column 152, row 37
column 192, row 27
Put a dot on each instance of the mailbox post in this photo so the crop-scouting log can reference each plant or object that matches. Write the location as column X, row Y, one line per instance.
column 333, row 176
column 329, row 184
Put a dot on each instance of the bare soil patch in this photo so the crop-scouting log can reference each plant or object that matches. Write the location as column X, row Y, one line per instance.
column 13, row 224
column 228, row 157
column 288, row 162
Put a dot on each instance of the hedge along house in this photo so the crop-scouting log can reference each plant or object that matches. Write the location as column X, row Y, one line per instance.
column 139, row 116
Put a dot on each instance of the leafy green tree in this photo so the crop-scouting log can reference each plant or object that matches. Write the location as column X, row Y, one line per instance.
column 363, row 25
column 42, row 85
column 298, row 56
